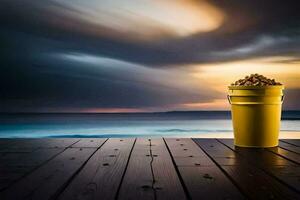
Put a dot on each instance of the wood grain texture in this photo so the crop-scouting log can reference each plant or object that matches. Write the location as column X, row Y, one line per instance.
column 207, row 182
column 13, row 166
column 202, row 178
column 291, row 175
column 20, row 146
column 146, row 169
column 101, row 176
column 89, row 143
column 292, row 156
column 253, row 181
column 151, row 173
column 186, row 153
column 292, row 141
column 46, row 181
column 260, row 156
column 4, row 142
column 30, row 145
column 258, row 185
column 289, row 147
column 269, row 159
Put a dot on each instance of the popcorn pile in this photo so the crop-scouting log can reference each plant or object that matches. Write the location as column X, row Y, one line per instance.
column 255, row 80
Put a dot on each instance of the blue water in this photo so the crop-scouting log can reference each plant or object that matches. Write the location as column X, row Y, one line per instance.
column 186, row 124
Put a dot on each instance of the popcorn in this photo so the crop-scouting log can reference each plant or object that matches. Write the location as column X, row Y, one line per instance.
column 255, row 80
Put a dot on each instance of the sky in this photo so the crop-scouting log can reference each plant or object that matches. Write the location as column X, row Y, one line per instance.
column 142, row 55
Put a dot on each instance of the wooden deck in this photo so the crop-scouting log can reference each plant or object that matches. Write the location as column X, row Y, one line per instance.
column 142, row 168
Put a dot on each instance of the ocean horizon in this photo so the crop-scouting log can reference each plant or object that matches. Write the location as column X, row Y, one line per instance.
column 160, row 124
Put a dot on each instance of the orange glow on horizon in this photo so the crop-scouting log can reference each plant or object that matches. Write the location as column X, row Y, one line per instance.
column 217, row 104
column 220, row 76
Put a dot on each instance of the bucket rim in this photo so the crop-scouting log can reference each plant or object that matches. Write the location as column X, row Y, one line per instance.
column 256, row 87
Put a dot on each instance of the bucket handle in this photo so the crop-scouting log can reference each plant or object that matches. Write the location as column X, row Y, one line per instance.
column 282, row 98
column 228, row 97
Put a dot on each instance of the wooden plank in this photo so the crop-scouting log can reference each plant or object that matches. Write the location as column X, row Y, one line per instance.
column 260, row 156
column 257, row 185
column 5, row 142
column 150, row 173
column 16, row 146
column 223, row 156
column 30, row 145
column 101, row 176
column 184, row 147
column 269, row 160
column 186, row 153
column 286, row 154
column 45, row 143
column 203, row 179
column 89, row 143
column 13, row 166
column 47, row 181
column 292, row 141
column 208, row 183
column 254, row 182
column 137, row 182
column 290, row 175
column 289, row 147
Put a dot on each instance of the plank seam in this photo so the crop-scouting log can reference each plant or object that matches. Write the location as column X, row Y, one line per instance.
column 289, row 150
column 266, row 171
column 225, row 173
column 284, row 156
column 13, row 141
column 126, row 166
column 35, row 168
column 285, row 148
column 188, row 196
column 65, row 185
column 289, row 143
column 70, row 146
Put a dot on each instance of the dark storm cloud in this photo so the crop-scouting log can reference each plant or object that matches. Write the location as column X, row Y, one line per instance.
column 31, row 32
column 52, row 87
column 246, row 22
column 35, row 76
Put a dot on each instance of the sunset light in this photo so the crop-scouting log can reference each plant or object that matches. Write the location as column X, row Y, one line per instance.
column 147, row 19
column 220, row 75
column 149, row 99
column 142, row 55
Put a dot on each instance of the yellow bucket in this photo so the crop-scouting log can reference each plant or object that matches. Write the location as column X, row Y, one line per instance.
column 256, row 114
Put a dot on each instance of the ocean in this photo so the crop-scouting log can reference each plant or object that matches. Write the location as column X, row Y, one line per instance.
column 168, row 124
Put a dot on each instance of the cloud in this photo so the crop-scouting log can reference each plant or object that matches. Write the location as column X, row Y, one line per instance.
column 145, row 19
column 58, row 55
column 249, row 29
column 74, row 81
column 258, row 45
